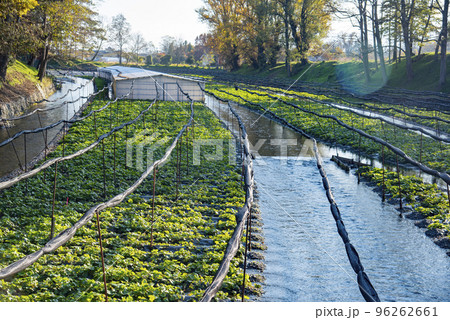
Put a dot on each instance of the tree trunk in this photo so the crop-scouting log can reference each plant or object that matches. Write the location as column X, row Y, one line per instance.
column 443, row 69
column 286, row 48
column 436, row 49
column 304, row 38
column 362, row 4
column 405, row 18
column 235, row 58
column 424, row 30
column 374, row 37
column 43, row 63
column 394, row 49
column 97, row 51
column 379, row 43
column 3, row 65
column 261, row 59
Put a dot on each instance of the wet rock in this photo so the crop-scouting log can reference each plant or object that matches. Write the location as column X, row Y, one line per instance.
column 256, row 255
column 255, row 291
column 443, row 243
column 257, row 278
column 167, row 248
column 258, row 223
column 257, row 238
column 256, row 230
column 436, row 233
column 259, row 246
column 188, row 298
column 204, row 242
column 258, row 265
column 414, row 216
column 424, row 223
column 256, row 217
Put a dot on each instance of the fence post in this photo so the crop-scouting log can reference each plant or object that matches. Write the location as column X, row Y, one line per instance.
column 114, row 164
column 245, row 257
column 12, row 143
column 399, row 184
column 382, row 165
column 359, row 158
column 104, row 170
column 153, row 206
column 52, row 228
column 448, row 195
column 102, row 255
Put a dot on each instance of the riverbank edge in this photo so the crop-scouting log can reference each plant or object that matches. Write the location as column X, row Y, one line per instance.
column 436, row 235
column 255, row 256
column 20, row 105
column 439, row 236
column 51, row 146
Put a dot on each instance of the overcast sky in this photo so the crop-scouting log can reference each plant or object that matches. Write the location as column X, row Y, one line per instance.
column 176, row 18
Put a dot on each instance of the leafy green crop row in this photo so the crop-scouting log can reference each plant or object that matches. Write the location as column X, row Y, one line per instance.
column 190, row 229
column 434, row 154
column 424, row 198
column 385, row 109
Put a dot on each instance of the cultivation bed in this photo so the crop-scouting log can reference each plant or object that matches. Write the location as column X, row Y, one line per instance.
column 168, row 249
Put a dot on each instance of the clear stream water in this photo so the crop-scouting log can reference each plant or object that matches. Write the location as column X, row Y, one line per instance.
column 305, row 258
column 35, row 143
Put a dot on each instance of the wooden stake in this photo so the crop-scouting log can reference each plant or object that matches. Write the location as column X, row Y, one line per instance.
column 52, row 228
column 245, row 258
column 153, row 206
column 383, row 198
column 399, row 184
column 102, row 255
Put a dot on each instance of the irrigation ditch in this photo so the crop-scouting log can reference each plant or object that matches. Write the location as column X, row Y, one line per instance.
column 391, row 230
column 439, row 221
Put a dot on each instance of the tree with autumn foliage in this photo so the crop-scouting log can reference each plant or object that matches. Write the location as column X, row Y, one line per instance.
column 57, row 20
column 225, row 18
column 15, row 30
column 255, row 31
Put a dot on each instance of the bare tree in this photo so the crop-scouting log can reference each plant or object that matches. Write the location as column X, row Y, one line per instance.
column 168, row 44
column 119, row 32
column 98, row 37
column 138, row 45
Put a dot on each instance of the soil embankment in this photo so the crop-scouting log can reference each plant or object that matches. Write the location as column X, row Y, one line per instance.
column 21, row 90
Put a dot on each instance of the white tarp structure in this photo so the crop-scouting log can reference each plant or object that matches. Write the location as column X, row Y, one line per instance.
column 149, row 85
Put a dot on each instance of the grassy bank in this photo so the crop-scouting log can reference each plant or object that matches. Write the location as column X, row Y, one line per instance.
column 351, row 74
column 21, row 81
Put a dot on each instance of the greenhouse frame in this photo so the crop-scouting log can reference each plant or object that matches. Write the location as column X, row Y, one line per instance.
column 149, row 85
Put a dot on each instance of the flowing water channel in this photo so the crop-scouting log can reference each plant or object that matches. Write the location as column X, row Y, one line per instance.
column 305, row 257
column 34, row 143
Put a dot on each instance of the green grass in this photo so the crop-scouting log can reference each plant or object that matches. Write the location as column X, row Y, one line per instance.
column 22, row 79
column 18, row 73
column 351, row 74
column 77, row 64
